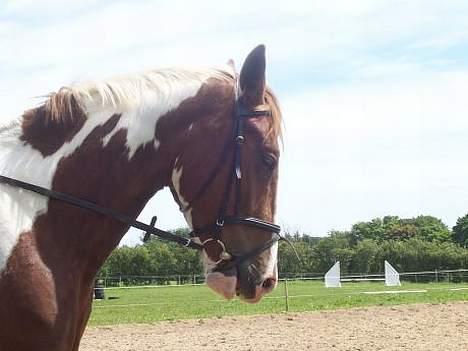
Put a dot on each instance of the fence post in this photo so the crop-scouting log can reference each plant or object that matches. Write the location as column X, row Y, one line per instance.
column 436, row 276
column 286, row 293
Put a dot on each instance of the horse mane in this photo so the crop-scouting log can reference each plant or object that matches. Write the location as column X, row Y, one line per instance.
column 126, row 92
column 61, row 106
column 121, row 93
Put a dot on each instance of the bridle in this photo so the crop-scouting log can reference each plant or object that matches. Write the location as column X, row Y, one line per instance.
column 204, row 238
column 210, row 235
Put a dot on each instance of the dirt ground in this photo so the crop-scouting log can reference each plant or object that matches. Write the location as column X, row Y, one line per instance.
column 413, row 327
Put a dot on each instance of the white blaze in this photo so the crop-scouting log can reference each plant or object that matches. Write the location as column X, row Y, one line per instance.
column 271, row 269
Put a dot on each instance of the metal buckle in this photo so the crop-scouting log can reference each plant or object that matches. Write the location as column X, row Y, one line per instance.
column 224, row 255
column 148, row 234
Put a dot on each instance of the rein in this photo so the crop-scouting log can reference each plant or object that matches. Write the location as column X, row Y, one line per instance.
column 212, row 232
column 90, row 206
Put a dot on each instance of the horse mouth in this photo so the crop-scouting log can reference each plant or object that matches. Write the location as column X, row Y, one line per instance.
column 228, row 284
column 243, row 295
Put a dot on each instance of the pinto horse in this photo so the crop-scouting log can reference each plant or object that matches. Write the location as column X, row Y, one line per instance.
column 115, row 143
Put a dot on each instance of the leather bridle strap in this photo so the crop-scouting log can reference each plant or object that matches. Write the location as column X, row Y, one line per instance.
column 211, row 233
column 201, row 191
column 90, row 206
column 247, row 221
column 254, row 222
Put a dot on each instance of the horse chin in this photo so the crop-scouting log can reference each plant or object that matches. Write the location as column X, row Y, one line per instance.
column 224, row 285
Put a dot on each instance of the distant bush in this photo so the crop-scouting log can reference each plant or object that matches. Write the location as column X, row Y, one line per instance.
column 415, row 244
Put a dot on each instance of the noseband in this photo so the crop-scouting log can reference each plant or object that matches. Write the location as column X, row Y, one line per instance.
column 210, row 235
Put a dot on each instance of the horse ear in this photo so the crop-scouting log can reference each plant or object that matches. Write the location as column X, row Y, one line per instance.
column 252, row 77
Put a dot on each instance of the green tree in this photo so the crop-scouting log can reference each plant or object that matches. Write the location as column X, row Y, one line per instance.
column 364, row 257
column 460, row 231
column 429, row 228
column 369, row 230
column 288, row 263
column 330, row 249
column 426, row 228
column 127, row 261
column 400, row 231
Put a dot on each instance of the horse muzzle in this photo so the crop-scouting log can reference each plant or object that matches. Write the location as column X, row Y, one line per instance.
column 243, row 280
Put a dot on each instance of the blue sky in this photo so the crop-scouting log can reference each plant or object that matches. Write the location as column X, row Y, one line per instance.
column 374, row 93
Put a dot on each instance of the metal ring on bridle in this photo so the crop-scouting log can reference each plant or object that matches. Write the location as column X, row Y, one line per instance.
column 240, row 139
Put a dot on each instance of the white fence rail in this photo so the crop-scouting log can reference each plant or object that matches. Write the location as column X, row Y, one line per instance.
column 454, row 275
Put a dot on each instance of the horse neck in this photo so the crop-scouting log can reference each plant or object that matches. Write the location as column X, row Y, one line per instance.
column 102, row 162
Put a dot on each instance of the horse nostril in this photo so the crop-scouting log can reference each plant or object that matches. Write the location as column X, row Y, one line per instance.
column 269, row 283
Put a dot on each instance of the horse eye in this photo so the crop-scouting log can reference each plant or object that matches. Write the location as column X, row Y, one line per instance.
column 269, row 161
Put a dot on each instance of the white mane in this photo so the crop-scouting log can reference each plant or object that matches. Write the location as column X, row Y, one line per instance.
column 126, row 92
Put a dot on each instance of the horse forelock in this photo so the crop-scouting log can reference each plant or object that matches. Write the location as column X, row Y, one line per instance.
column 276, row 125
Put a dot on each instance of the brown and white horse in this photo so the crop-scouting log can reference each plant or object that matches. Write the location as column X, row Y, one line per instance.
column 116, row 143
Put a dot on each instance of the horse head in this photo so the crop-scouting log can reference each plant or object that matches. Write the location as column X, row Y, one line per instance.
column 228, row 170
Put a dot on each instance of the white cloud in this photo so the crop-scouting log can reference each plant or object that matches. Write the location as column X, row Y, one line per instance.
column 386, row 135
column 373, row 149
column 425, row 102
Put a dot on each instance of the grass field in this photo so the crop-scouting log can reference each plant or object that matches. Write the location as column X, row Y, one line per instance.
column 152, row 304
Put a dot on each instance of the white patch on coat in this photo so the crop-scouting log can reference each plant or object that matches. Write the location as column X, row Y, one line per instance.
column 19, row 208
column 142, row 99
column 176, row 177
column 140, row 121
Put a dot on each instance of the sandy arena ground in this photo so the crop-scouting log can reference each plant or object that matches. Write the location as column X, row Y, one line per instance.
column 413, row 327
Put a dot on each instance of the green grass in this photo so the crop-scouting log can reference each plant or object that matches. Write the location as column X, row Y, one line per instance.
column 149, row 305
